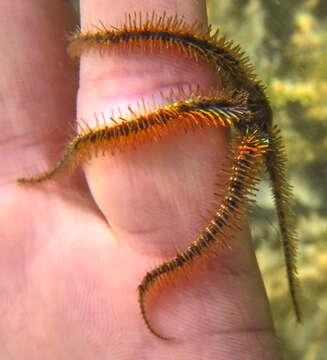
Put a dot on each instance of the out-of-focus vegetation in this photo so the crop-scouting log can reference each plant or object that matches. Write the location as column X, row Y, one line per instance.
column 76, row 4
column 286, row 41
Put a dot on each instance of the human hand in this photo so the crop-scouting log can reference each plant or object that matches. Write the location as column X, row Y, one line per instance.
column 68, row 281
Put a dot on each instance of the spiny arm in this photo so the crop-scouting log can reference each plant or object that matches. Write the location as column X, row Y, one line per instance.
column 276, row 165
column 247, row 162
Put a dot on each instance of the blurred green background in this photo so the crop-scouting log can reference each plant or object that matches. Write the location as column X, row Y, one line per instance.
column 287, row 42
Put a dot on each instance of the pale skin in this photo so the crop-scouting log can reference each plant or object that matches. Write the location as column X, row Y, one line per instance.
column 67, row 279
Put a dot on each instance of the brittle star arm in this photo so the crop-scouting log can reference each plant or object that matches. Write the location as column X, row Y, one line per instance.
column 275, row 161
column 246, row 163
column 190, row 114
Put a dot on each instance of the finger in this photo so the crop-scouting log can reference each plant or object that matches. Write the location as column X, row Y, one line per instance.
column 109, row 82
column 37, row 84
column 153, row 197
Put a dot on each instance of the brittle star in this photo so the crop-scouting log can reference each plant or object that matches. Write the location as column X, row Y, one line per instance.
column 241, row 104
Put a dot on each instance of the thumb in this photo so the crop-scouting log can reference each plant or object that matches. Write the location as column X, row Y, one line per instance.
column 156, row 197
column 149, row 194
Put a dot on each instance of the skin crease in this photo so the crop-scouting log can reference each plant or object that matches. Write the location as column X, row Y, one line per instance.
column 68, row 281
